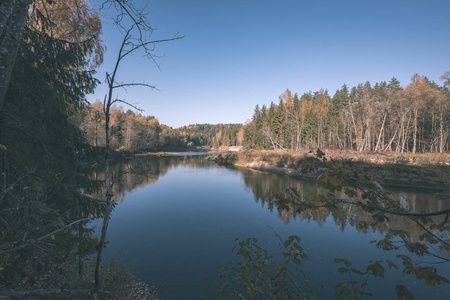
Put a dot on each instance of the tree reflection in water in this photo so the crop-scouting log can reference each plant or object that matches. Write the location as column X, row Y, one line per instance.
column 411, row 238
column 417, row 227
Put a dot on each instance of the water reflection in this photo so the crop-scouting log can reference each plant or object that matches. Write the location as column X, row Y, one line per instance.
column 265, row 188
column 143, row 170
column 180, row 214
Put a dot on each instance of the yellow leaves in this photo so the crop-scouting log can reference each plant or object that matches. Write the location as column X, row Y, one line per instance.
column 287, row 97
column 304, row 107
column 321, row 105
column 70, row 21
column 153, row 123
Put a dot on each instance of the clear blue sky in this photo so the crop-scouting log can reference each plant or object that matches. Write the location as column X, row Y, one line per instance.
column 239, row 53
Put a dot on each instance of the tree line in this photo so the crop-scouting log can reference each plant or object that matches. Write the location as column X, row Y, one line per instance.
column 49, row 52
column 129, row 130
column 383, row 117
column 212, row 135
column 135, row 132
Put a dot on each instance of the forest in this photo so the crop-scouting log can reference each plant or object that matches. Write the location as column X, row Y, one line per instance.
column 132, row 131
column 49, row 54
column 51, row 138
column 383, row 117
column 44, row 206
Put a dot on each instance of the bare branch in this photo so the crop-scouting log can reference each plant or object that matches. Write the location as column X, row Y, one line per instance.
column 124, row 85
column 150, row 43
column 127, row 103
column 5, row 191
column 129, row 45
column 33, row 242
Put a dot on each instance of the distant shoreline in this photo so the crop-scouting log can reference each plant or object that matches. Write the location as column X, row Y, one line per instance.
column 424, row 170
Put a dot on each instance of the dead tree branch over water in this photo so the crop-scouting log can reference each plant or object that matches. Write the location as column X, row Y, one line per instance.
column 134, row 39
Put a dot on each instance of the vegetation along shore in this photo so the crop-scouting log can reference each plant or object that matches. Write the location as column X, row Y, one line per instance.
column 415, row 170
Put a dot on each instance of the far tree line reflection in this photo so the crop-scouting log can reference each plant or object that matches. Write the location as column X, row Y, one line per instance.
column 141, row 171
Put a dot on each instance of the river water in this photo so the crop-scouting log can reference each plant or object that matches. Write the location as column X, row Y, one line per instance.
column 177, row 216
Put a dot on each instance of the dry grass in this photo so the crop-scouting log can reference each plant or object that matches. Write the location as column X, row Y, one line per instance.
column 417, row 159
column 419, row 170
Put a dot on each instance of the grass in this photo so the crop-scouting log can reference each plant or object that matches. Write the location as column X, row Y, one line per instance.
column 430, row 170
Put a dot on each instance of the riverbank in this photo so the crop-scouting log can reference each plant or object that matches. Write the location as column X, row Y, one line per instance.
column 428, row 170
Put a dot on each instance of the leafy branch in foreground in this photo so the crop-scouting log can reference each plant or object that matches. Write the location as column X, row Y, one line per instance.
column 344, row 188
column 352, row 289
column 347, row 186
column 257, row 276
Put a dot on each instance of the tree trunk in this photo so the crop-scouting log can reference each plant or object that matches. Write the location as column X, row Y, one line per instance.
column 406, row 135
column 415, row 130
column 388, row 146
column 13, row 15
column 441, row 141
column 401, row 140
column 108, row 199
column 381, row 132
column 357, row 136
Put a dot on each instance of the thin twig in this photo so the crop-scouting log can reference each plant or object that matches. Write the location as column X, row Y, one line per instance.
column 33, row 242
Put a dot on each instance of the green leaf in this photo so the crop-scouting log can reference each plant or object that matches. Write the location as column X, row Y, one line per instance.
column 429, row 275
column 403, row 292
column 407, row 262
column 342, row 270
column 386, row 245
column 342, row 260
column 377, row 269
column 391, row 264
column 357, row 271
column 417, row 248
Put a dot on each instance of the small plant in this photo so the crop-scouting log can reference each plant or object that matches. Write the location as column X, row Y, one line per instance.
column 352, row 289
column 256, row 276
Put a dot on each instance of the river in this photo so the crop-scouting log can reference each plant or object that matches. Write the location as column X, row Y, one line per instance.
column 177, row 216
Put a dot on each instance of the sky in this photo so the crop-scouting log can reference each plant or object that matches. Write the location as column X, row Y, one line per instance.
column 236, row 54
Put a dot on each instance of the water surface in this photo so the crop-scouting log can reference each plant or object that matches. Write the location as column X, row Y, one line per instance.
column 174, row 226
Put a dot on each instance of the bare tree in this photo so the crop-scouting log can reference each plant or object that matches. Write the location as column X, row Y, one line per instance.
column 134, row 40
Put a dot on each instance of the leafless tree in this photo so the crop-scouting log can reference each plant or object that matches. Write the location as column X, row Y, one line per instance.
column 135, row 39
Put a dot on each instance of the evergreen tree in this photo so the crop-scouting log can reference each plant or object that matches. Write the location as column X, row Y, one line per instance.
column 394, row 85
column 43, row 177
column 377, row 118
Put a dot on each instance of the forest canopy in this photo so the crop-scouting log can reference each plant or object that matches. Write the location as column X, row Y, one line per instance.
column 50, row 136
column 135, row 132
column 382, row 117
column 378, row 118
